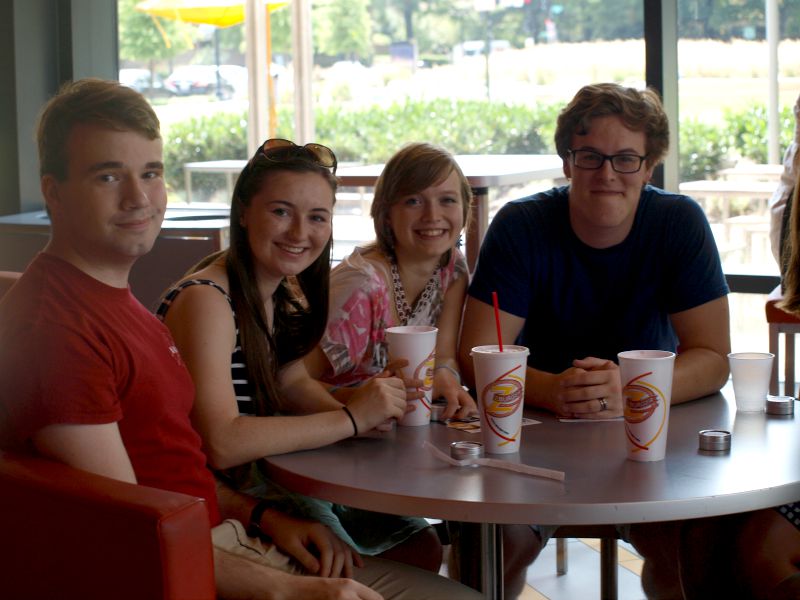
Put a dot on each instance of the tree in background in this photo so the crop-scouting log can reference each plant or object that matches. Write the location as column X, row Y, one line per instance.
column 140, row 39
column 436, row 25
column 281, row 28
column 343, row 28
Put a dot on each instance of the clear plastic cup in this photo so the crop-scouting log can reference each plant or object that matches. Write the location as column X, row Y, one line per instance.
column 751, row 372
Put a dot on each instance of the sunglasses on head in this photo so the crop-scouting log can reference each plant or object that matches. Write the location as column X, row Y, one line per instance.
column 322, row 155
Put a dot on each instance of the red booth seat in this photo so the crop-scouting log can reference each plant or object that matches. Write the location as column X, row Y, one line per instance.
column 71, row 534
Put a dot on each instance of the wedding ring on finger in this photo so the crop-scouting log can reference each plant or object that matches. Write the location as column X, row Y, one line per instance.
column 603, row 404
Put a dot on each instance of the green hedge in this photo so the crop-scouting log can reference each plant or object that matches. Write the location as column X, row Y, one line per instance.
column 748, row 131
column 464, row 127
column 220, row 136
column 369, row 135
column 703, row 150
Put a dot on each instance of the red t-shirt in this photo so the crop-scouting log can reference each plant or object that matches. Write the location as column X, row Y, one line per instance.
column 76, row 351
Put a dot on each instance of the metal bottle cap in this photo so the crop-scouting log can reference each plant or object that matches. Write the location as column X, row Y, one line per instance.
column 462, row 450
column 715, row 440
column 780, row 405
column 437, row 409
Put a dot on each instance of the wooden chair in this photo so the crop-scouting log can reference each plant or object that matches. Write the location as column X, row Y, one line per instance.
column 781, row 322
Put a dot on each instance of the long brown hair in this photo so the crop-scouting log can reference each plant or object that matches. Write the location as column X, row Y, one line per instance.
column 300, row 302
column 791, row 293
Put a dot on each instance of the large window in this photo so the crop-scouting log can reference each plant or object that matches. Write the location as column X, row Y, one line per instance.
column 726, row 161
column 485, row 77
column 477, row 77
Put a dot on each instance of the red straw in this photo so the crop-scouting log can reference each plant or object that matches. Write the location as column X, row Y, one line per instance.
column 497, row 320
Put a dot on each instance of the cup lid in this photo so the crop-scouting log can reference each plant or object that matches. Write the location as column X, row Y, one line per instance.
column 715, row 439
column 460, row 450
column 437, row 409
column 780, row 405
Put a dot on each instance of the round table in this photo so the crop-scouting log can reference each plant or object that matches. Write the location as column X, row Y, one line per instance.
column 392, row 472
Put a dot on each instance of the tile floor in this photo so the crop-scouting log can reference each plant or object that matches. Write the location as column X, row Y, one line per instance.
column 582, row 580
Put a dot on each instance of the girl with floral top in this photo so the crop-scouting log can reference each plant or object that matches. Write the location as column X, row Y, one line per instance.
column 413, row 274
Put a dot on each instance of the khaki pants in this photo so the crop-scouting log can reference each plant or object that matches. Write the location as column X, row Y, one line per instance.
column 394, row 581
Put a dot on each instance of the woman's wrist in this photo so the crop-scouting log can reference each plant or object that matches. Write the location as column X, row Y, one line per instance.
column 455, row 373
column 352, row 420
column 254, row 528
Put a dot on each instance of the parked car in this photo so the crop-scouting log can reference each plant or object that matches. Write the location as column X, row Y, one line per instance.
column 478, row 47
column 198, row 79
column 144, row 82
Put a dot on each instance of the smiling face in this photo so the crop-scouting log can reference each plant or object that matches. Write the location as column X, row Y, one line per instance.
column 288, row 224
column 427, row 224
column 108, row 211
column 602, row 202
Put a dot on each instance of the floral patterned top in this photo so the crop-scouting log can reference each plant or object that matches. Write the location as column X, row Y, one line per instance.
column 362, row 307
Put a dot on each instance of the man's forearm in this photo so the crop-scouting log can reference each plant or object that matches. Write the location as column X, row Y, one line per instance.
column 541, row 389
column 698, row 372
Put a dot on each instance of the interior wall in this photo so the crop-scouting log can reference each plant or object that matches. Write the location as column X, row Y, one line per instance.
column 42, row 44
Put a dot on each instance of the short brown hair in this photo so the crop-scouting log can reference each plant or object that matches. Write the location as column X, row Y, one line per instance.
column 89, row 101
column 639, row 110
column 413, row 168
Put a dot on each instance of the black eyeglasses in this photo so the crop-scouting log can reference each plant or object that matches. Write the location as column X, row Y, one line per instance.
column 322, row 155
column 621, row 163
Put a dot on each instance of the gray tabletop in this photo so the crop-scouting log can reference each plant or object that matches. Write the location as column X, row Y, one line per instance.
column 392, row 472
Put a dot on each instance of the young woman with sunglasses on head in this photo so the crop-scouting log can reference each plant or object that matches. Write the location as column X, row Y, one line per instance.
column 420, row 207
column 242, row 322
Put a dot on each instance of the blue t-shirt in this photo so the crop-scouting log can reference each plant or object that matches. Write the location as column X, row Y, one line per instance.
column 579, row 301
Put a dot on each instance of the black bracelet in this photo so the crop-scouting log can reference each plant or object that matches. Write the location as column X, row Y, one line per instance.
column 254, row 526
column 352, row 420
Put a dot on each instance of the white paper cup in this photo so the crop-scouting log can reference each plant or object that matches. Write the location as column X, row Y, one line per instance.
column 751, row 372
column 646, row 377
column 500, row 385
column 417, row 345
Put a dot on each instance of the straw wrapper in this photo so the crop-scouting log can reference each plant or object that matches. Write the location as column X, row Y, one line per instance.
column 497, row 464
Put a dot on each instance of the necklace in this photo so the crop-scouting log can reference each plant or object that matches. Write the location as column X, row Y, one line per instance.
column 404, row 312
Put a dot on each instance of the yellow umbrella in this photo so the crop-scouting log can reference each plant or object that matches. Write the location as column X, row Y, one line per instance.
column 221, row 13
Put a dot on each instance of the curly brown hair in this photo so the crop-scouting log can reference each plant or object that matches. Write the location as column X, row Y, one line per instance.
column 639, row 110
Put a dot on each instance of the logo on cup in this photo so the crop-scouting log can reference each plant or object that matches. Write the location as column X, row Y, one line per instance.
column 424, row 371
column 642, row 399
column 500, row 399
